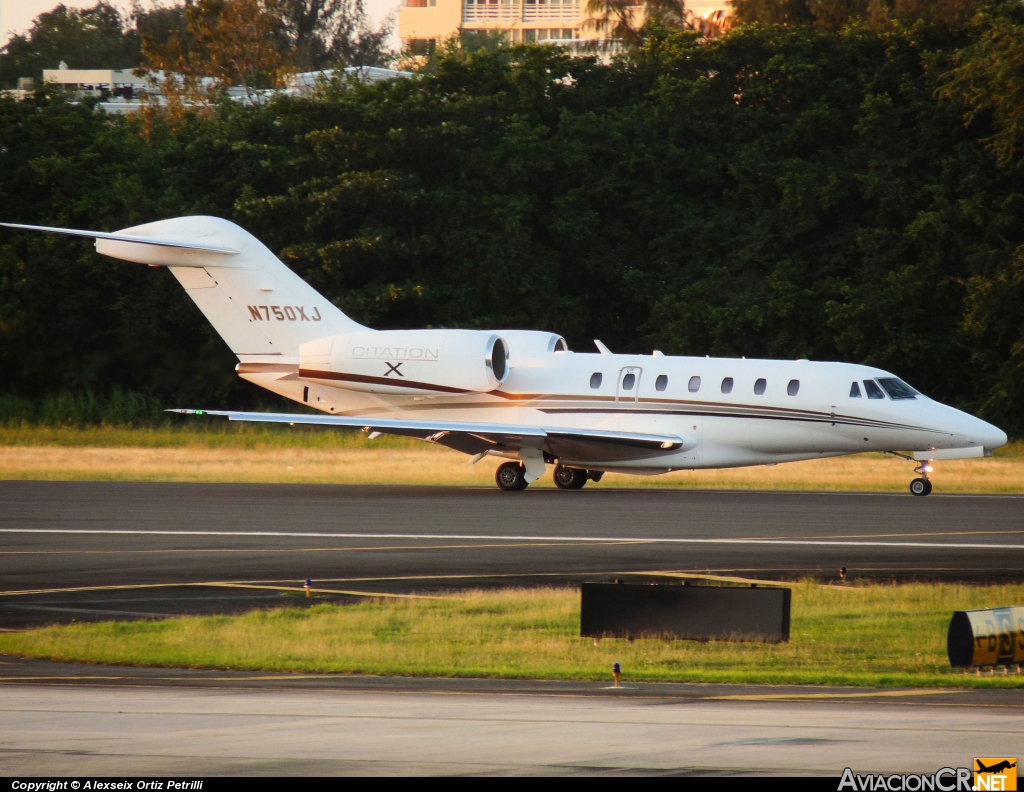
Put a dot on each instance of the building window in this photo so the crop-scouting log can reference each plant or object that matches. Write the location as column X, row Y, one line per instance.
column 693, row 385
column 420, row 3
column 595, row 380
column 793, row 388
column 727, row 385
column 661, row 383
column 421, row 47
column 760, row 386
column 529, row 36
column 854, row 390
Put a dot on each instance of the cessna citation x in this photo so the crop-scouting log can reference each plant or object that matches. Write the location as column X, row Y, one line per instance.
column 521, row 394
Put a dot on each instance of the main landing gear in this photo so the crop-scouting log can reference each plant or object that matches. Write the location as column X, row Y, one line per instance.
column 568, row 478
column 511, row 477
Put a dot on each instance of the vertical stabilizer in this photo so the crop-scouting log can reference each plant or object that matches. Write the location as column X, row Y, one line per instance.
column 257, row 305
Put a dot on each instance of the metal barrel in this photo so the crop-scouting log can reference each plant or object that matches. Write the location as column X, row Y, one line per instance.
column 986, row 637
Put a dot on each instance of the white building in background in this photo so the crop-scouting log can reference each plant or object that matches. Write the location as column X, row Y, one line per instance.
column 124, row 92
column 120, row 83
column 424, row 23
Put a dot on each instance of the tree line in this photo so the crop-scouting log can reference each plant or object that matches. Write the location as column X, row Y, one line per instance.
column 793, row 189
column 199, row 37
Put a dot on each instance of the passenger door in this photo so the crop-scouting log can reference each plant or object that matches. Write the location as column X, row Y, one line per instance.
column 628, row 389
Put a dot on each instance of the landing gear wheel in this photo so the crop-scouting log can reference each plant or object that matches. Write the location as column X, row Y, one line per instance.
column 595, row 475
column 511, row 477
column 568, row 478
column 920, row 486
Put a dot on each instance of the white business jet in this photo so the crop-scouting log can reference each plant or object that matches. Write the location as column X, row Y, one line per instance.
column 521, row 394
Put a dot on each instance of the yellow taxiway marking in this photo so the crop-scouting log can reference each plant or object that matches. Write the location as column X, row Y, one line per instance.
column 98, row 678
column 813, row 696
column 468, row 576
column 318, row 590
column 274, row 585
column 719, row 578
column 283, row 677
column 213, row 584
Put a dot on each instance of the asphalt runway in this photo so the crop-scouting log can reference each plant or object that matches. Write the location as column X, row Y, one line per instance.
column 80, row 721
column 96, row 550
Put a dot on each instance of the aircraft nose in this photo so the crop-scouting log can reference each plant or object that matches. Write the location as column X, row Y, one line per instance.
column 995, row 437
column 985, row 434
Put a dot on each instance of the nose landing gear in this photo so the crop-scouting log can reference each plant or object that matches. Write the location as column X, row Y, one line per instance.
column 920, row 486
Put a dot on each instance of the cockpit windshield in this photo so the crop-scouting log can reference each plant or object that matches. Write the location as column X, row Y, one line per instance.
column 872, row 390
column 897, row 389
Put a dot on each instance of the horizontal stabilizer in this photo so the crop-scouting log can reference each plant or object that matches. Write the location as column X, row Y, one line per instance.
column 171, row 243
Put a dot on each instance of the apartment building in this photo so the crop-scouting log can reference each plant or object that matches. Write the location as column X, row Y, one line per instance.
column 423, row 23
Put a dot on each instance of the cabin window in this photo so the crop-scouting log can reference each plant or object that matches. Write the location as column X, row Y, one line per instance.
column 727, row 385
column 793, row 388
column 595, row 380
column 693, row 385
column 872, row 390
column 661, row 382
column 897, row 389
column 854, row 390
column 628, row 381
column 760, row 386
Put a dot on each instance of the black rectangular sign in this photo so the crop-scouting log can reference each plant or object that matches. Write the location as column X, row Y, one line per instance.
column 631, row 610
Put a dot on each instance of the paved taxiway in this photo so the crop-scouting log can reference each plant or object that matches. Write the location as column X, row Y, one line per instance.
column 60, row 719
column 109, row 550
column 56, row 536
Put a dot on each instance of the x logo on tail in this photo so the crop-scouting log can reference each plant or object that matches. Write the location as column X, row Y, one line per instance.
column 393, row 369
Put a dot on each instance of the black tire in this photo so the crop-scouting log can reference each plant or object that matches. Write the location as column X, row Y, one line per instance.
column 568, row 478
column 920, row 487
column 595, row 475
column 511, row 477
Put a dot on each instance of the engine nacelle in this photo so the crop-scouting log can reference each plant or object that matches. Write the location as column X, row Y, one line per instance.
column 407, row 361
column 526, row 343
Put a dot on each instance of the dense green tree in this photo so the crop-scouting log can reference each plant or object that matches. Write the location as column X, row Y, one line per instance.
column 92, row 38
column 833, row 14
column 784, row 190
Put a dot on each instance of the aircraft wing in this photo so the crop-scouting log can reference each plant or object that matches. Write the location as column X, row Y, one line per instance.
column 476, row 438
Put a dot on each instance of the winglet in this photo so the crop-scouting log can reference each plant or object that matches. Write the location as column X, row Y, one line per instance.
column 602, row 348
column 173, row 243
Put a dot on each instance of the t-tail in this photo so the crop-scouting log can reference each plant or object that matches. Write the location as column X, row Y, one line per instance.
column 257, row 305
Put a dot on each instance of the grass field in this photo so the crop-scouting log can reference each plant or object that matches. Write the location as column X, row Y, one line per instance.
column 232, row 452
column 890, row 635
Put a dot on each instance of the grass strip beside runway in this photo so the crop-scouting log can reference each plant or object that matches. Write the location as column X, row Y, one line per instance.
column 882, row 635
column 260, row 455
